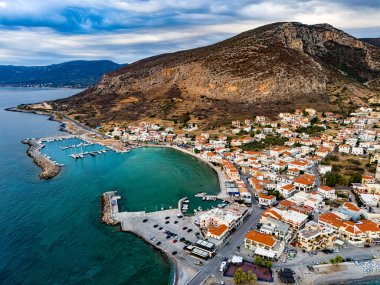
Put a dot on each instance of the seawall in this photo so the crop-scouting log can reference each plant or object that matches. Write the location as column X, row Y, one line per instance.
column 49, row 168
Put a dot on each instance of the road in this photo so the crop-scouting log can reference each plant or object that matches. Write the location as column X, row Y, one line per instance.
column 212, row 267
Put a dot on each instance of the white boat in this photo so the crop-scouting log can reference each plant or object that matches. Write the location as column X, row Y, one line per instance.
column 195, row 211
column 186, row 201
column 204, row 198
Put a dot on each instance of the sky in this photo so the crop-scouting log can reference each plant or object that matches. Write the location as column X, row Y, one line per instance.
column 41, row 32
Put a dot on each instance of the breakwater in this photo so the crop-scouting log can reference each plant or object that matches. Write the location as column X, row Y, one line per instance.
column 49, row 168
column 107, row 208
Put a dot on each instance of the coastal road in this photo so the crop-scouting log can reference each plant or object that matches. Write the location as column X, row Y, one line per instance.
column 235, row 240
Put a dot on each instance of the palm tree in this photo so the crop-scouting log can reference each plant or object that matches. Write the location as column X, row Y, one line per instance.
column 251, row 277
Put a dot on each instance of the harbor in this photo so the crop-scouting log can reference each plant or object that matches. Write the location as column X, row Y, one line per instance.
column 50, row 167
column 166, row 230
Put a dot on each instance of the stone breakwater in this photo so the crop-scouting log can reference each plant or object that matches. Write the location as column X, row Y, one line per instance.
column 107, row 216
column 49, row 168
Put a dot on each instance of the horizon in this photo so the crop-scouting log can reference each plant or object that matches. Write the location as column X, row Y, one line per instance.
column 128, row 31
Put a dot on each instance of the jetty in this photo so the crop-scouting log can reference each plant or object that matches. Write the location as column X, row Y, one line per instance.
column 76, row 145
column 92, row 153
column 110, row 208
column 49, row 168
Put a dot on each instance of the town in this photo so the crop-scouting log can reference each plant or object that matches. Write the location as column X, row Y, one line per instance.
column 300, row 186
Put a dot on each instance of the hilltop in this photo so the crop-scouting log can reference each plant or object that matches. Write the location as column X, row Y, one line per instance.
column 270, row 69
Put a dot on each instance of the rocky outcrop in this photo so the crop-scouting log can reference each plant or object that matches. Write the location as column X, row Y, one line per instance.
column 264, row 71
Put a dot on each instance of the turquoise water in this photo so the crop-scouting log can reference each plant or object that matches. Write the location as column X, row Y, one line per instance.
column 50, row 230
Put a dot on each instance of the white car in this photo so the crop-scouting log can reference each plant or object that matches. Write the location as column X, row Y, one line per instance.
column 283, row 260
column 223, row 266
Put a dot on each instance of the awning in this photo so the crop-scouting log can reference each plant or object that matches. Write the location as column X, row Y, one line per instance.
column 339, row 242
column 264, row 252
column 236, row 259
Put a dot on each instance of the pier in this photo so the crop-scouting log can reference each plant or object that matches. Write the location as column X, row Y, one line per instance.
column 76, row 145
column 92, row 153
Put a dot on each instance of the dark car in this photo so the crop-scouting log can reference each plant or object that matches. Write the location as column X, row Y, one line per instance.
column 367, row 245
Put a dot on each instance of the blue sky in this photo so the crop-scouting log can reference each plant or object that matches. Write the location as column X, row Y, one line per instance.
column 40, row 32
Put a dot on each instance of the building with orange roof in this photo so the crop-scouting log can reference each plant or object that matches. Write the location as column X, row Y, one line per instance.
column 327, row 192
column 305, row 182
column 286, row 204
column 287, row 190
column 217, row 232
column 263, row 244
column 351, row 210
column 299, row 164
column 267, row 200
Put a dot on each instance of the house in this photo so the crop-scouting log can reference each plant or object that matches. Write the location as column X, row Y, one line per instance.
column 322, row 151
column 351, row 210
column 327, row 192
column 287, row 190
column 323, row 169
column 276, row 228
column 369, row 200
column 298, row 164
column 364, row 231
column 357, row 151
column 344, row 148
column 217, row 232
column 313, row 237
column 305, row 182
column 295, row 219
column 266, row 201
column 263, row 244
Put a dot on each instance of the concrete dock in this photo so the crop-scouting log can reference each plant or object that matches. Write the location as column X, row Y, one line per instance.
column 151, row 228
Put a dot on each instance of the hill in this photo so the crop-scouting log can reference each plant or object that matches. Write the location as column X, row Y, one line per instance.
column 271, row 69
column 372, row 41
column 78, row 73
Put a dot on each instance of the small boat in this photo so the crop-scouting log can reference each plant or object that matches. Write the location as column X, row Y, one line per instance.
column 195, row 211
column 204, row 198
column 186, row 201
column 199, row 208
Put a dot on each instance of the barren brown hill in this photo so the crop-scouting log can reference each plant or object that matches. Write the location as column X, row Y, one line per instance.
column 274, row 68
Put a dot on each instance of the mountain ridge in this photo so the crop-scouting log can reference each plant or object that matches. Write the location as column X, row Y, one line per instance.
column 77, row 73
column 273, row 68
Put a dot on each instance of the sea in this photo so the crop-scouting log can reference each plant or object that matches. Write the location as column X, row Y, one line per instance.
column 50, row 230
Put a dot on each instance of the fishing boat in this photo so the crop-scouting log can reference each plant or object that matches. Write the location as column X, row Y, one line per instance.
column 204, row 198
column 186, row 201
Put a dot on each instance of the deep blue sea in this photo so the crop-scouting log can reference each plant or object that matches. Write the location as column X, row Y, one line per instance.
column 50, row 229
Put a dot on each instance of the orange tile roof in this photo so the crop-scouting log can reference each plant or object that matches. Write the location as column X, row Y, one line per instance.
column 261, row 238
column 305, row 179
column 351, row 207
column 288, row 187
column 286, row 203
column 218, row 231
column 299, row 162
column 271, row 213
column 325, row 188
column 368, row 226
column 331, row 219
column 269, row 197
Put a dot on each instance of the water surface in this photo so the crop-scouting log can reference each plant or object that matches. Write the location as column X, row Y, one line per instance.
column 50, row 230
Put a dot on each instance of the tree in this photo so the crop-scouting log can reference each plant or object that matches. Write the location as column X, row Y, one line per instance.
column 196, row 150
column 258, row 261
column 239, row 276
column 251, row 277
column 339, row 259
column 116, row 137
column 268, row 264
column 362, row 217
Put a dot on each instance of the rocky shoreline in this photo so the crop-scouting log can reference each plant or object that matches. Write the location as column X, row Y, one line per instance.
column 106, row 216
column 49, row 169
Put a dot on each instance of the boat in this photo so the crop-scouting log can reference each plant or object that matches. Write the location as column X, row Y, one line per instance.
column 199, row 208
column 195, row 211
column 186, row 201
column 204, row 198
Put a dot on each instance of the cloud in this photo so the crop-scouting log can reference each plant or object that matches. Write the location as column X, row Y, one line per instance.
column 43, row 32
